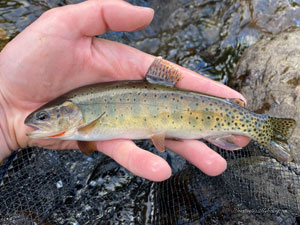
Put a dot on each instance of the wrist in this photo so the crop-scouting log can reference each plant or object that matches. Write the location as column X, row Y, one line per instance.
column 8, row 141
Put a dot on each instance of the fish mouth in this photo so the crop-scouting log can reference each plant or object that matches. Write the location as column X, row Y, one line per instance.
column 38, row 132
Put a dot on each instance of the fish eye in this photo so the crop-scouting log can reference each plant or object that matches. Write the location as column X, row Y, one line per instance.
column 42, row 116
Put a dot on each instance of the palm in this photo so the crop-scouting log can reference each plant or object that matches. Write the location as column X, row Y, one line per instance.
column 57, row 64
column 58, row 53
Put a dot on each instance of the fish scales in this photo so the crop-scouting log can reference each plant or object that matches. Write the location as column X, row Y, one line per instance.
column 154, row 109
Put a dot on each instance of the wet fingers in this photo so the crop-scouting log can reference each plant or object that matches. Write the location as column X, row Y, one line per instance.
column 199, row 154
column 140, row 162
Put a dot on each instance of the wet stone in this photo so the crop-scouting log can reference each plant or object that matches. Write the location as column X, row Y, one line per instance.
column 267, row 75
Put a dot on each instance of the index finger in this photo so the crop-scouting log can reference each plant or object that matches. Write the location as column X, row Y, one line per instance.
column 91, row 18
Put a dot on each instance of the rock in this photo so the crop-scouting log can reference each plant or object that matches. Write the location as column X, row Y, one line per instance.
column 268, row 76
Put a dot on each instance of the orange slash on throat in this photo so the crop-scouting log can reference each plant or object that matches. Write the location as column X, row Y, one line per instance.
column 58, row 135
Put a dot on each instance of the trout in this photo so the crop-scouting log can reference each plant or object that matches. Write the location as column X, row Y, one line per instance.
column 154, row 109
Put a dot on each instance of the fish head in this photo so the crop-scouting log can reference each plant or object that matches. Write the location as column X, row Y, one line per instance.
column 54, row 120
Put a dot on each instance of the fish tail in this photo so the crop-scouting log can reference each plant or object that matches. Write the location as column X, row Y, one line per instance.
column 280, row 130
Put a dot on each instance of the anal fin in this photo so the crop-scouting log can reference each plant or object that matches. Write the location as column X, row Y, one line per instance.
column 224, row 142
column 87, row 147
column 162, row 72
column 158, row 141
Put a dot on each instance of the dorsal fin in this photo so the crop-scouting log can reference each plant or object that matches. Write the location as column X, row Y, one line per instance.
column 163, row 73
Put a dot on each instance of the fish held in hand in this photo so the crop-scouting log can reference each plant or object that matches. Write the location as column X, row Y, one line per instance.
column 154, row 109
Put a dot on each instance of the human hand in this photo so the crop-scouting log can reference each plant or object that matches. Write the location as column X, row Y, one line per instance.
column 58, row 53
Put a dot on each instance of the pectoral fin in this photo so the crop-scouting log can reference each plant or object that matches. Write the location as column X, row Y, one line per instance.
column 86, row 129
column 158, row 141
column 163, row 73
column 224, row 142
column 87, row 147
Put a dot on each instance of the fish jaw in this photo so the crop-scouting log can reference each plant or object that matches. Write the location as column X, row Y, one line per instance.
column 41, row 133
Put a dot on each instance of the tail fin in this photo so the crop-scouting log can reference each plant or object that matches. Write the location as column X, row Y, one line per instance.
column 282, row 129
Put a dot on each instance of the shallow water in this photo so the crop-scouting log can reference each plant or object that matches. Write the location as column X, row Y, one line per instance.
column 206, row 36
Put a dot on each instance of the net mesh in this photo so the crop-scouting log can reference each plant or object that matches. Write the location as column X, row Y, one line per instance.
column 40, row 186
